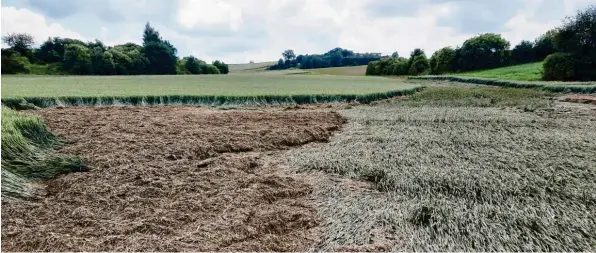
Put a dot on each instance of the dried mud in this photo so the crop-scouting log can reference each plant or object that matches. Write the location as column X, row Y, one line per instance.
column 173, row 179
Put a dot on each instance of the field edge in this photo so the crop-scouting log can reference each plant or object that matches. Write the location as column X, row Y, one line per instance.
column 45, row 102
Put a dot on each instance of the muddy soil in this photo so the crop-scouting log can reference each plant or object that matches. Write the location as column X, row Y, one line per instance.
column 173, row 179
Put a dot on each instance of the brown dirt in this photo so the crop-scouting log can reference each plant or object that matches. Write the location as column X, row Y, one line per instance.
column 173, row 179
column 579, row 98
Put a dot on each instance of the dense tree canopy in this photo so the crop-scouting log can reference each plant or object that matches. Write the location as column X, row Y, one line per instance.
column 577, row 39
column 443, row 61
column 484, row 51
column 544, row 45
column 523, row 52
column 71, row 56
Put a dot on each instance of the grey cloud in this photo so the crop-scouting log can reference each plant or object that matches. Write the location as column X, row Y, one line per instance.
column 56, row 8
column 481, row 16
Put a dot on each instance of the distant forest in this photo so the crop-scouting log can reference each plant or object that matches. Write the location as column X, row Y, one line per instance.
column 337, row 57
column 156, row 56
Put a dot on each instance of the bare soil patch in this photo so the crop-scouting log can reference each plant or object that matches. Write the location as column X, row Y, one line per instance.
column 579, row 98
column 173, row 179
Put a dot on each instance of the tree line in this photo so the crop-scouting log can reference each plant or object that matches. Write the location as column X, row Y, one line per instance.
column 337, row 57
column 568, row 52
column 156, row 56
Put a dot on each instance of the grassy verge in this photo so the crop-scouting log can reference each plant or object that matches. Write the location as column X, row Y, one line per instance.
column 458, row 173
column 522, row 72
column 33, row 102
column 27, row 154
column 577, row 87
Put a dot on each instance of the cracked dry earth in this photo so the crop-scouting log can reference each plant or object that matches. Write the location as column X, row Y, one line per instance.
column 173, row 179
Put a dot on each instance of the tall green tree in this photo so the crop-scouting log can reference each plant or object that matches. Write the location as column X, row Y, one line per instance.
column 482, row 52
column 416, row 52
column 150, row 34
column 19, row 42
column 161, row 55
column 523, row 52
column 289, row 55
column 544, row 45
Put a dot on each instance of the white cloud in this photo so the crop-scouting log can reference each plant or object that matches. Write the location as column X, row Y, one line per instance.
column 525, row 25
column 239, row 30
column 24, row 20
column 197, row 13
column 522, row 27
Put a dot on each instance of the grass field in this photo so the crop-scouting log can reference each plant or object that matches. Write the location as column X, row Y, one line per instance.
column 342, row 71
column 213, row 85
column 247, row 67
column 266, row 88
column 459, row 169
column 523, row 72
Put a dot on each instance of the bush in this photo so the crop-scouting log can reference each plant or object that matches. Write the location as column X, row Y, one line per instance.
column 559, row 66
column 13, row 62
column 192, row 65
column 419, row 66
column 444, row 61
column 209, row 69
column 577, row 38
column 370, row 69
column 400, row 67
column 223, row 68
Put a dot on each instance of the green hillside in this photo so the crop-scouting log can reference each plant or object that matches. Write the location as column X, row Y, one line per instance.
column 523, row 72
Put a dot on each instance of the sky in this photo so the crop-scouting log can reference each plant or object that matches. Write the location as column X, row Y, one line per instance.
column 239, row 31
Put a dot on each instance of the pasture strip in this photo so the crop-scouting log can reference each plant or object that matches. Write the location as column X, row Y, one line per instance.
column 576, row 87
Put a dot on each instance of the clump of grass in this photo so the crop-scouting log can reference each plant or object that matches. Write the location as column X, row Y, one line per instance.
column 27, row 154
column 459, row 178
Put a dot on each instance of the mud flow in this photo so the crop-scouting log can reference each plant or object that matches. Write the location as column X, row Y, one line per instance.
column 173, row 179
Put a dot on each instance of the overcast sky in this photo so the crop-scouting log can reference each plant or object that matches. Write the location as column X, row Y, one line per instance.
column 238, row 31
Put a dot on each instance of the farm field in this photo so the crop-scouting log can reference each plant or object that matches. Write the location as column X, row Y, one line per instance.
column 341, row 71
column 522, row 72
column 454, row 167
column 192, row 89
column 247, row 67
